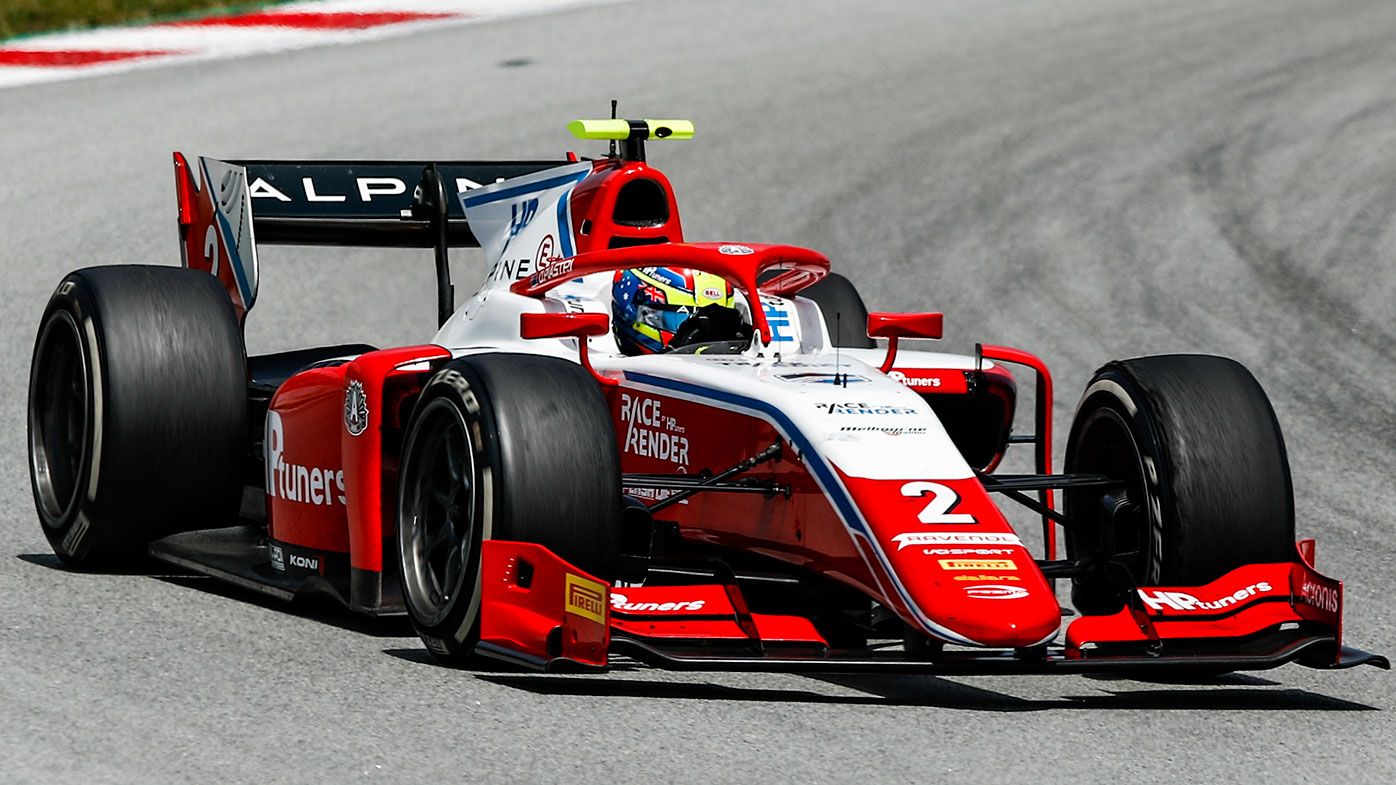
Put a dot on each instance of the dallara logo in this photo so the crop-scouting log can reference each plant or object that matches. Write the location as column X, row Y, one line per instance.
column 586, row 598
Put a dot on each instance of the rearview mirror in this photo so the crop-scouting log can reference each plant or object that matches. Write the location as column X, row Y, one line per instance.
column 893, row 326
column 569, row 325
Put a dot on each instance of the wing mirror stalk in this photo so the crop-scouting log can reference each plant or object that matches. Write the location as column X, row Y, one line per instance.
column 569, row 325
column 893, row 326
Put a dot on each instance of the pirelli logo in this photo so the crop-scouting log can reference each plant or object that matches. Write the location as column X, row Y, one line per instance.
column 586, row 598
column 977, row 564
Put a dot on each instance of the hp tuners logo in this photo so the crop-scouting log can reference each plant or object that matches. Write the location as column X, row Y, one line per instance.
column 293, row 482
column 1158, row 599
column 915, row 381
column 521, row 214
column 620, row 602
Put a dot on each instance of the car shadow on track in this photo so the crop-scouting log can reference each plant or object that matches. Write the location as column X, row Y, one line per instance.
column 930, row 691
column 310, row 606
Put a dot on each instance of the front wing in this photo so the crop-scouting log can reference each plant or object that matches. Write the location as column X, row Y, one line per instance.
column 541, row 612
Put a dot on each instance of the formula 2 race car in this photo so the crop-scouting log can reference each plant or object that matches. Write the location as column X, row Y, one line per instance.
column 782, row 496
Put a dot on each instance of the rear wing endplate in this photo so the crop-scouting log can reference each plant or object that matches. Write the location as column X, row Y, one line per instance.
column 227, row 208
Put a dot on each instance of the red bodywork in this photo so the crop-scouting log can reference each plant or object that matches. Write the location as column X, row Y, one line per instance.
column 1217, row 626
column 309, row 445
column 333, row 434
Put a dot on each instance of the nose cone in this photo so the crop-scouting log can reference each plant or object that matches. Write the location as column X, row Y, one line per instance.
column 956, row 562
column 987, row 593
column 997, row 615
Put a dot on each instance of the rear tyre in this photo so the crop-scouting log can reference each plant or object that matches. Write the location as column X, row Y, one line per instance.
column 137, row 411
column 844, row 312
column 1195, row 443
column 506, row 447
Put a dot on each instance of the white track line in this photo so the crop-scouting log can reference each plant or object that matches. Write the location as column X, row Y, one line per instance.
column 207, row 39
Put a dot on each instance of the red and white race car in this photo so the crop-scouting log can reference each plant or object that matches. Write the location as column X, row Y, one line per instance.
column 788, row 497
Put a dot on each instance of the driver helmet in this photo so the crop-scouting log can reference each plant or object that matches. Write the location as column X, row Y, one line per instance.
column 648, row 304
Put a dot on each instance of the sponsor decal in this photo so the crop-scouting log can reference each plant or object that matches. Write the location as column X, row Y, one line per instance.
column 649, row 433
column 911, row 539
column 295, row 483
column 355, row 408
column 520, row 214
column 969, row 551
column 996, row 592
column 735, row 250
column 551, row 269
column 1158, row 599
column 513, row 269
column 585, row 598
column 873, row 409
column 545, row 250
column 366, row 189
column 712, row 293
column 915, row 381
column 1325, row 598
column 981, row 577
column 282, row 557
column 620, row 602
column 817, row 377
column 977, row 564
column 938, row 511
column 888, row 431
column 777, row 318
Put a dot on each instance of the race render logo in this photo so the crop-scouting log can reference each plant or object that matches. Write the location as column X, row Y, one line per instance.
column 1158, row 599
column 620, row 602
column 649, row 433
column 873, row 409
column 295, row 483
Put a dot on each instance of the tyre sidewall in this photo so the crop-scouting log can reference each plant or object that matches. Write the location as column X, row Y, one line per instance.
column 1114, row 394
column 456, row 386
column 69, row 530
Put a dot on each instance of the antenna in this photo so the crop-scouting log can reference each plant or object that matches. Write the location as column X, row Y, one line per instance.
column 838, row 330
column 613, row 116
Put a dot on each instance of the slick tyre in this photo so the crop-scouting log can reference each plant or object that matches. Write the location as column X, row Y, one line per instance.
column 137, row 422
column 844, row 312
column 506, row 447
column 1195, row 443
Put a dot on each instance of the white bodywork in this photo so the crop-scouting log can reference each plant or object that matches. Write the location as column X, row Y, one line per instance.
column 794, row 376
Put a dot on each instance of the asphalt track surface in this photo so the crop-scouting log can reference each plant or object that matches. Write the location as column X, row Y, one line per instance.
column 1087, row 179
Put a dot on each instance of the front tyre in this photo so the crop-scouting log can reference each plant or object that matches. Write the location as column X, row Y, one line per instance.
column 509, row 447
column 1195, row 444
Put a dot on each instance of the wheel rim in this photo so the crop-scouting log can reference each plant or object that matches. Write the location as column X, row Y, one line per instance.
column 1106, row 445
column 439, row 513
column 59, row 417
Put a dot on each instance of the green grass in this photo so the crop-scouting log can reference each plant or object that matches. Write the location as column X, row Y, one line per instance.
column 26, row 17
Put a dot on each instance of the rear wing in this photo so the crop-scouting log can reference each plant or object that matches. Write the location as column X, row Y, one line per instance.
column 227, row 208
